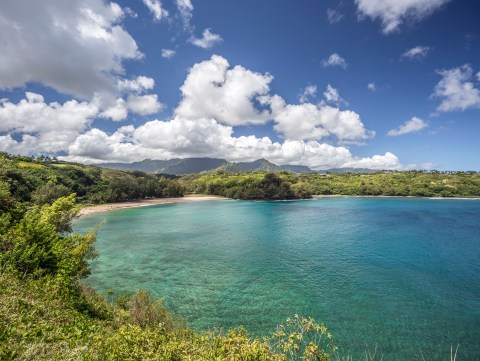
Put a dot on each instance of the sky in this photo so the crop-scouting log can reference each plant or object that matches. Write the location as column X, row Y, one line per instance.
column 380, row 84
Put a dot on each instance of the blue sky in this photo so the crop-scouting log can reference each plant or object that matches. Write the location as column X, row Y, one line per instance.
column 391, row 84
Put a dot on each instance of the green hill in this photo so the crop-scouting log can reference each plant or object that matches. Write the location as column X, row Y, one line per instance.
column 44, row 179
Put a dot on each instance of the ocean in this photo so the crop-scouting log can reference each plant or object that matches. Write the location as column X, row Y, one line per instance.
column 401, row 275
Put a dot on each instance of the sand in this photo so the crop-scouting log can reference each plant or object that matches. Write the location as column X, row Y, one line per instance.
column 146, row 202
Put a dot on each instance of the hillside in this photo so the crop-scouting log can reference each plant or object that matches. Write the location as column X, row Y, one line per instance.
column 172, row 166
column 199, row 165
column 251, row 185
column 43, row 180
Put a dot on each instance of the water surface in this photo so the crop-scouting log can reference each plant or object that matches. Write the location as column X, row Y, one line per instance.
column 400, row 274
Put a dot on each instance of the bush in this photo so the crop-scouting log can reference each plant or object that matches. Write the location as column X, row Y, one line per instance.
column 48, row 193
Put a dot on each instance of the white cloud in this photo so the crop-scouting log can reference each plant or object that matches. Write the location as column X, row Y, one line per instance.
column 136, row 85
column 168, row 53
column 333, row 16
column 410, row 126
column 207, row 41
column 212, row 90
column 310, row 91
column 457, row 89
column 185, row 8
column 116, row 111
column 334, row 60
column 313, row 122
column 215, row 97
column 144, row 104
column 416, row 53
column 206, row 137
column 332, row 96
column 155, row 7
column 44, row 127
column 393, row 13
column 372, row 87
column 386, row 161
column 88, row 31
column 478, row 76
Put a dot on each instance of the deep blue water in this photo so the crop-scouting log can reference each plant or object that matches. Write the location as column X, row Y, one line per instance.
column 400, row 274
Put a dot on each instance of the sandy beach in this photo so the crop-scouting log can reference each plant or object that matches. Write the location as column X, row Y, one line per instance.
column 146, row 202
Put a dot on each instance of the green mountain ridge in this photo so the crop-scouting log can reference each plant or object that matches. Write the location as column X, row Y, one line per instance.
column 184, row 166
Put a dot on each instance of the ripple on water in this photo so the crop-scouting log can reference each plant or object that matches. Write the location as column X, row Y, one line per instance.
column 400, row 274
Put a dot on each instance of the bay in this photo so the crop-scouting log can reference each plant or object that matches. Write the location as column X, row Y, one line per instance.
column 399, row 274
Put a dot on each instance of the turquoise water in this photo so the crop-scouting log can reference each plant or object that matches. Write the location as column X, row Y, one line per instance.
column 399, row 274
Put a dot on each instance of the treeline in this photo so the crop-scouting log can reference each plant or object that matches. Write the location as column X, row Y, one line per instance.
column 285, row 185
column 249, row 186
column 42, row 180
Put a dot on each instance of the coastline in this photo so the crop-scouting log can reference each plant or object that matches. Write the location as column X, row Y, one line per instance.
column 100, row 208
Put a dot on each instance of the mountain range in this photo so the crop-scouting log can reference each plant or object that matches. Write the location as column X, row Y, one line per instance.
column 197, row 165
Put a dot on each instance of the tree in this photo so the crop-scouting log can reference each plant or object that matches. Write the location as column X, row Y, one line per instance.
column 40, row 243
column 48, row 193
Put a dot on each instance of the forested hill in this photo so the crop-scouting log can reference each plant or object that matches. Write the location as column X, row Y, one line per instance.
column 198, row 165
column 257, row 186
column 43, row 180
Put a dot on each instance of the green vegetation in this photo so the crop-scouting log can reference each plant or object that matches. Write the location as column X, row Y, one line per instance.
column 47, row 314
column 43, row 180
column 284, row 185
column 244, row 185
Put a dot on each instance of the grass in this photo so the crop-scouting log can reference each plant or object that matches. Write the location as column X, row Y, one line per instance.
column 30, row 165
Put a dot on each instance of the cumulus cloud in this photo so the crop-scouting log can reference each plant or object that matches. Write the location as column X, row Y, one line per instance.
column 206, row 137
column 334, row 60
column 155, row 7
column 144, row 104
column 410, row 126
column 213, row 90
column 393, row 13
column 333, row 16
column 457, row 89
column 237, row 96
column 313, row 122
column 386, row 161
column 207, row 41
column 215, row 97
column 43, row 127
column 115, row 111
column 310, row 91
column 168, row 53
column 118, row 109
column 89, row 31
column 372, row 87
column 416, row 53
column 136, row 85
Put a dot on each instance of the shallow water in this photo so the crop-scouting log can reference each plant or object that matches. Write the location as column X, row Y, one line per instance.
column 399, row 274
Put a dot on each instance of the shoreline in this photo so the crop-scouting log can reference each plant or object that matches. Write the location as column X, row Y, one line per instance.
column 383, row 196
column 100, row 208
